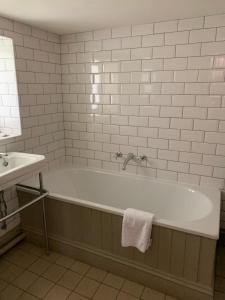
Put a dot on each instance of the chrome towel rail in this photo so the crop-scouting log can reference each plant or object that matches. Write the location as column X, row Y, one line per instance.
column 42, row 195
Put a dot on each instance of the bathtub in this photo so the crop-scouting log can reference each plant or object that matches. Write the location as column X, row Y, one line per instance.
column 84, row 214
column 183, row 207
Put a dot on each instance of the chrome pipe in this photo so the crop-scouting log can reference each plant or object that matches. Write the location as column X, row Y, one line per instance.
column 23, row 207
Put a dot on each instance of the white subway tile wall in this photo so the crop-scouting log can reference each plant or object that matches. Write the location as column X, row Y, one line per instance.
column 155, row 89
column 39, row 83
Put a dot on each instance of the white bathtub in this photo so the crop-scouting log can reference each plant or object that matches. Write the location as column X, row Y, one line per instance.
column 182, row 207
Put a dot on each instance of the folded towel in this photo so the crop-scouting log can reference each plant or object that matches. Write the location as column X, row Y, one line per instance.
column 136, row 229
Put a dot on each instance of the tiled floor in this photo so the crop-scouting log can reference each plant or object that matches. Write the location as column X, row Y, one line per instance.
column 27, row 273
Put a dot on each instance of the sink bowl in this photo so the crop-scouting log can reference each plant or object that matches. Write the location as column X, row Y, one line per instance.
column 20, row 167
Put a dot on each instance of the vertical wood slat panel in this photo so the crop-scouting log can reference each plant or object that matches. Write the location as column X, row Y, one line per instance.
column 177, row 253
column 68, row 222
column 86, row 224
column 206, row 261
column 165, row 239
column 54, row 219
column 151, row 256
column 96, row 228
column 106, row 228
column 170, row 251
column 191, row 258
column 32, row 215
column 76, row 217
column 138, row 256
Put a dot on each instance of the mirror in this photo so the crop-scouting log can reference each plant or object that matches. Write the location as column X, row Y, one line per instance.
column 10, row 124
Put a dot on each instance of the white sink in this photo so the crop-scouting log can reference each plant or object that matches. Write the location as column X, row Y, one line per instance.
column 21, row 166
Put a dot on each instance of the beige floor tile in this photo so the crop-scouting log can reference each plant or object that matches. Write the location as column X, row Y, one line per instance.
column 39, row 266
column 170, row 298
column 38, row 251
column 40, row 287
column 80, row 267
column 25, row 280
column 21, row 258
column 11, row 272
column 150, row 294
column 54, row 272
column 31, row 248
column 69, row 280
column 4, row 264
column 133, row 288
column 51, row 257
column 96, row 274
column 24, row 245
column 219, row 296
column 220, row 284
column 65, row 261
column 26, row 296
column 105, row 292
column 114, row 280
column 75, row 296
column 3, row 284
column 125, row 296
column 57, row 293
column 87, row 287
column 10, row 293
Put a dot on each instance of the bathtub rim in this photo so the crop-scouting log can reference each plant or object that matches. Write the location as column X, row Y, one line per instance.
column 213, row 194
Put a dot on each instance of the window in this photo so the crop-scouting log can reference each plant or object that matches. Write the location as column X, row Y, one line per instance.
column 10, row 124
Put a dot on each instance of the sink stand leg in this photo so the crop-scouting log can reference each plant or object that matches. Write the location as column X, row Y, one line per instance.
column 44, row 221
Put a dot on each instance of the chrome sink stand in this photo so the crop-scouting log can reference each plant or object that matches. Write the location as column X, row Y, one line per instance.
column 42, row 193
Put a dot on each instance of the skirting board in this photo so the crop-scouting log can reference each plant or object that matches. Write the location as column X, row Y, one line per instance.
column 157, row 280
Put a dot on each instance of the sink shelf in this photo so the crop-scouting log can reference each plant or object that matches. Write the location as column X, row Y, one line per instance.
column 21, row 166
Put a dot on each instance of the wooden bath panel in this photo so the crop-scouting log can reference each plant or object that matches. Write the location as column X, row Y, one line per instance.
column 185, row 259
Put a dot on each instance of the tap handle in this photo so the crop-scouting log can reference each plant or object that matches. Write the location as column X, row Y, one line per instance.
column 143, row 157
column 118, row 154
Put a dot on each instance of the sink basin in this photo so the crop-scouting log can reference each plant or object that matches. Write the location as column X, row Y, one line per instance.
column 20, row 167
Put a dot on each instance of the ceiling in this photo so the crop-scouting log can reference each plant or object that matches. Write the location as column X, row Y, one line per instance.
column 69, row 16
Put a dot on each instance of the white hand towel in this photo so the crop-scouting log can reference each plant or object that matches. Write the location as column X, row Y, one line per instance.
column 136, row 229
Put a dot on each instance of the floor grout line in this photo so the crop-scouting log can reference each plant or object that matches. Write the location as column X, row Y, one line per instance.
column 36, row 254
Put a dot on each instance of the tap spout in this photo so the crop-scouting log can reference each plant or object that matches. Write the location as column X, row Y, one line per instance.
column 130, row 156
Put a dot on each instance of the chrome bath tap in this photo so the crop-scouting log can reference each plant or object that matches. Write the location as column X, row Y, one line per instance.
column 4, row 161
column 131, row 156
